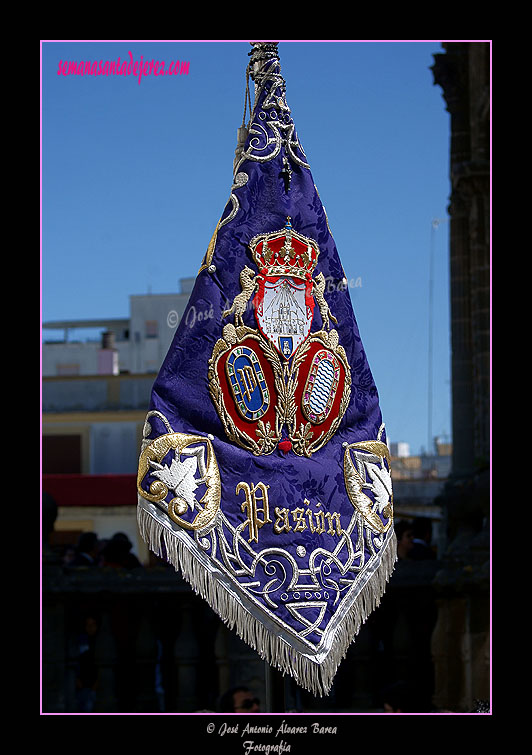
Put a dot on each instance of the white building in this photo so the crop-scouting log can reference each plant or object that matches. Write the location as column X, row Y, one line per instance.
column 136, row 344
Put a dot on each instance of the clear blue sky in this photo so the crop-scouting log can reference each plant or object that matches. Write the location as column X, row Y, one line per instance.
column 135, row 177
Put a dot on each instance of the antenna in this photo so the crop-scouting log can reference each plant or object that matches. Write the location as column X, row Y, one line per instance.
column 433, row 227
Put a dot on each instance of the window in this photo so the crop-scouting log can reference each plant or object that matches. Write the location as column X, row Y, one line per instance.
column 68, row 369
column 61, row 454
column 152, row 328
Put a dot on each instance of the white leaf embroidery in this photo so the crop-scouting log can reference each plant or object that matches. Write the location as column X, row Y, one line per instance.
column 179, row 477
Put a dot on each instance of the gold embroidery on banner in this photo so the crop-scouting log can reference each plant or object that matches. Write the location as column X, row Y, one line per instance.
column 304, row 519
column 158, row 490
column 335, row 516
column 281, row 524
column 309, row 514
column 248, row 284
column 210, row 250
column 303, row 438
column 253, row 523
column 320, row 527
column 300, row 262
column 180, row 477
column 299, row 523
column 248, row 381
column 317, row 290
column 268, row 438
column 369, row 471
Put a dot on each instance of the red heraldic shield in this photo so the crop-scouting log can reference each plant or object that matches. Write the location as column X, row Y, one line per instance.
column 320, row 388
column 247, row 384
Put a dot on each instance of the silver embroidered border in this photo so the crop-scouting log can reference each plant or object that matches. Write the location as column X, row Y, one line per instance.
column 272, row 639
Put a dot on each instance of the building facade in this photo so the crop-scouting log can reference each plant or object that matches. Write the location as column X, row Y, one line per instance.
column 136, row 344
column 461, row 639
column 94, row 400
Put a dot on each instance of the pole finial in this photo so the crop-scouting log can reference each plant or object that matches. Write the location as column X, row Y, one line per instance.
column 261, row 53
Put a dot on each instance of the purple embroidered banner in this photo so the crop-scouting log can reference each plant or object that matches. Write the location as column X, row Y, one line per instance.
column 264, row 474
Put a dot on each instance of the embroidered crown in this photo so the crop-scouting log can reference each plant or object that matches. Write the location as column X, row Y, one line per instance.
column 285, row 252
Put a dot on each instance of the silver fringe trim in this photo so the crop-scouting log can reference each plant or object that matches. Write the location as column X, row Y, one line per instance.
column 314, row 676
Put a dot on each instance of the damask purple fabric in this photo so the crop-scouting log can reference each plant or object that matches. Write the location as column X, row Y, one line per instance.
column 297, row 595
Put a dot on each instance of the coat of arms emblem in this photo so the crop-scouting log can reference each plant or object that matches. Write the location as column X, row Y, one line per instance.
column 280, row 382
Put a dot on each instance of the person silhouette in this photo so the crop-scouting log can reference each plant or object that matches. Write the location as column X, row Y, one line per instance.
column 117, row 553
column 86, row 551
column 422, row 535
column 239, row 700
column 405, row 539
